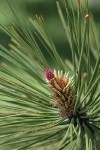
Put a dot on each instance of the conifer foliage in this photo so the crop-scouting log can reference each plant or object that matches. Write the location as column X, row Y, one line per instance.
column 42, row 106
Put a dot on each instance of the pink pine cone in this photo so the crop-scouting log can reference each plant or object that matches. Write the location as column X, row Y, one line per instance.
column 49, row 74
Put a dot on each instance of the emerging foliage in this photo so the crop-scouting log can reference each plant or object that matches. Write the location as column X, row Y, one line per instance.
column 28, row 118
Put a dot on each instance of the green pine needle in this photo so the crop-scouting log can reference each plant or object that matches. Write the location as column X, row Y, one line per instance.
column 28, row 118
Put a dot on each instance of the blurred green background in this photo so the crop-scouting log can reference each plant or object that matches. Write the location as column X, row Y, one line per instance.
column 48, row 9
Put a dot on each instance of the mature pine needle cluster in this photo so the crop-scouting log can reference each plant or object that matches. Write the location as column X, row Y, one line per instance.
column 28, row 118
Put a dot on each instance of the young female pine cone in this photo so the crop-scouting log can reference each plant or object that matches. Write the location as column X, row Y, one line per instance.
column 63, row 92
